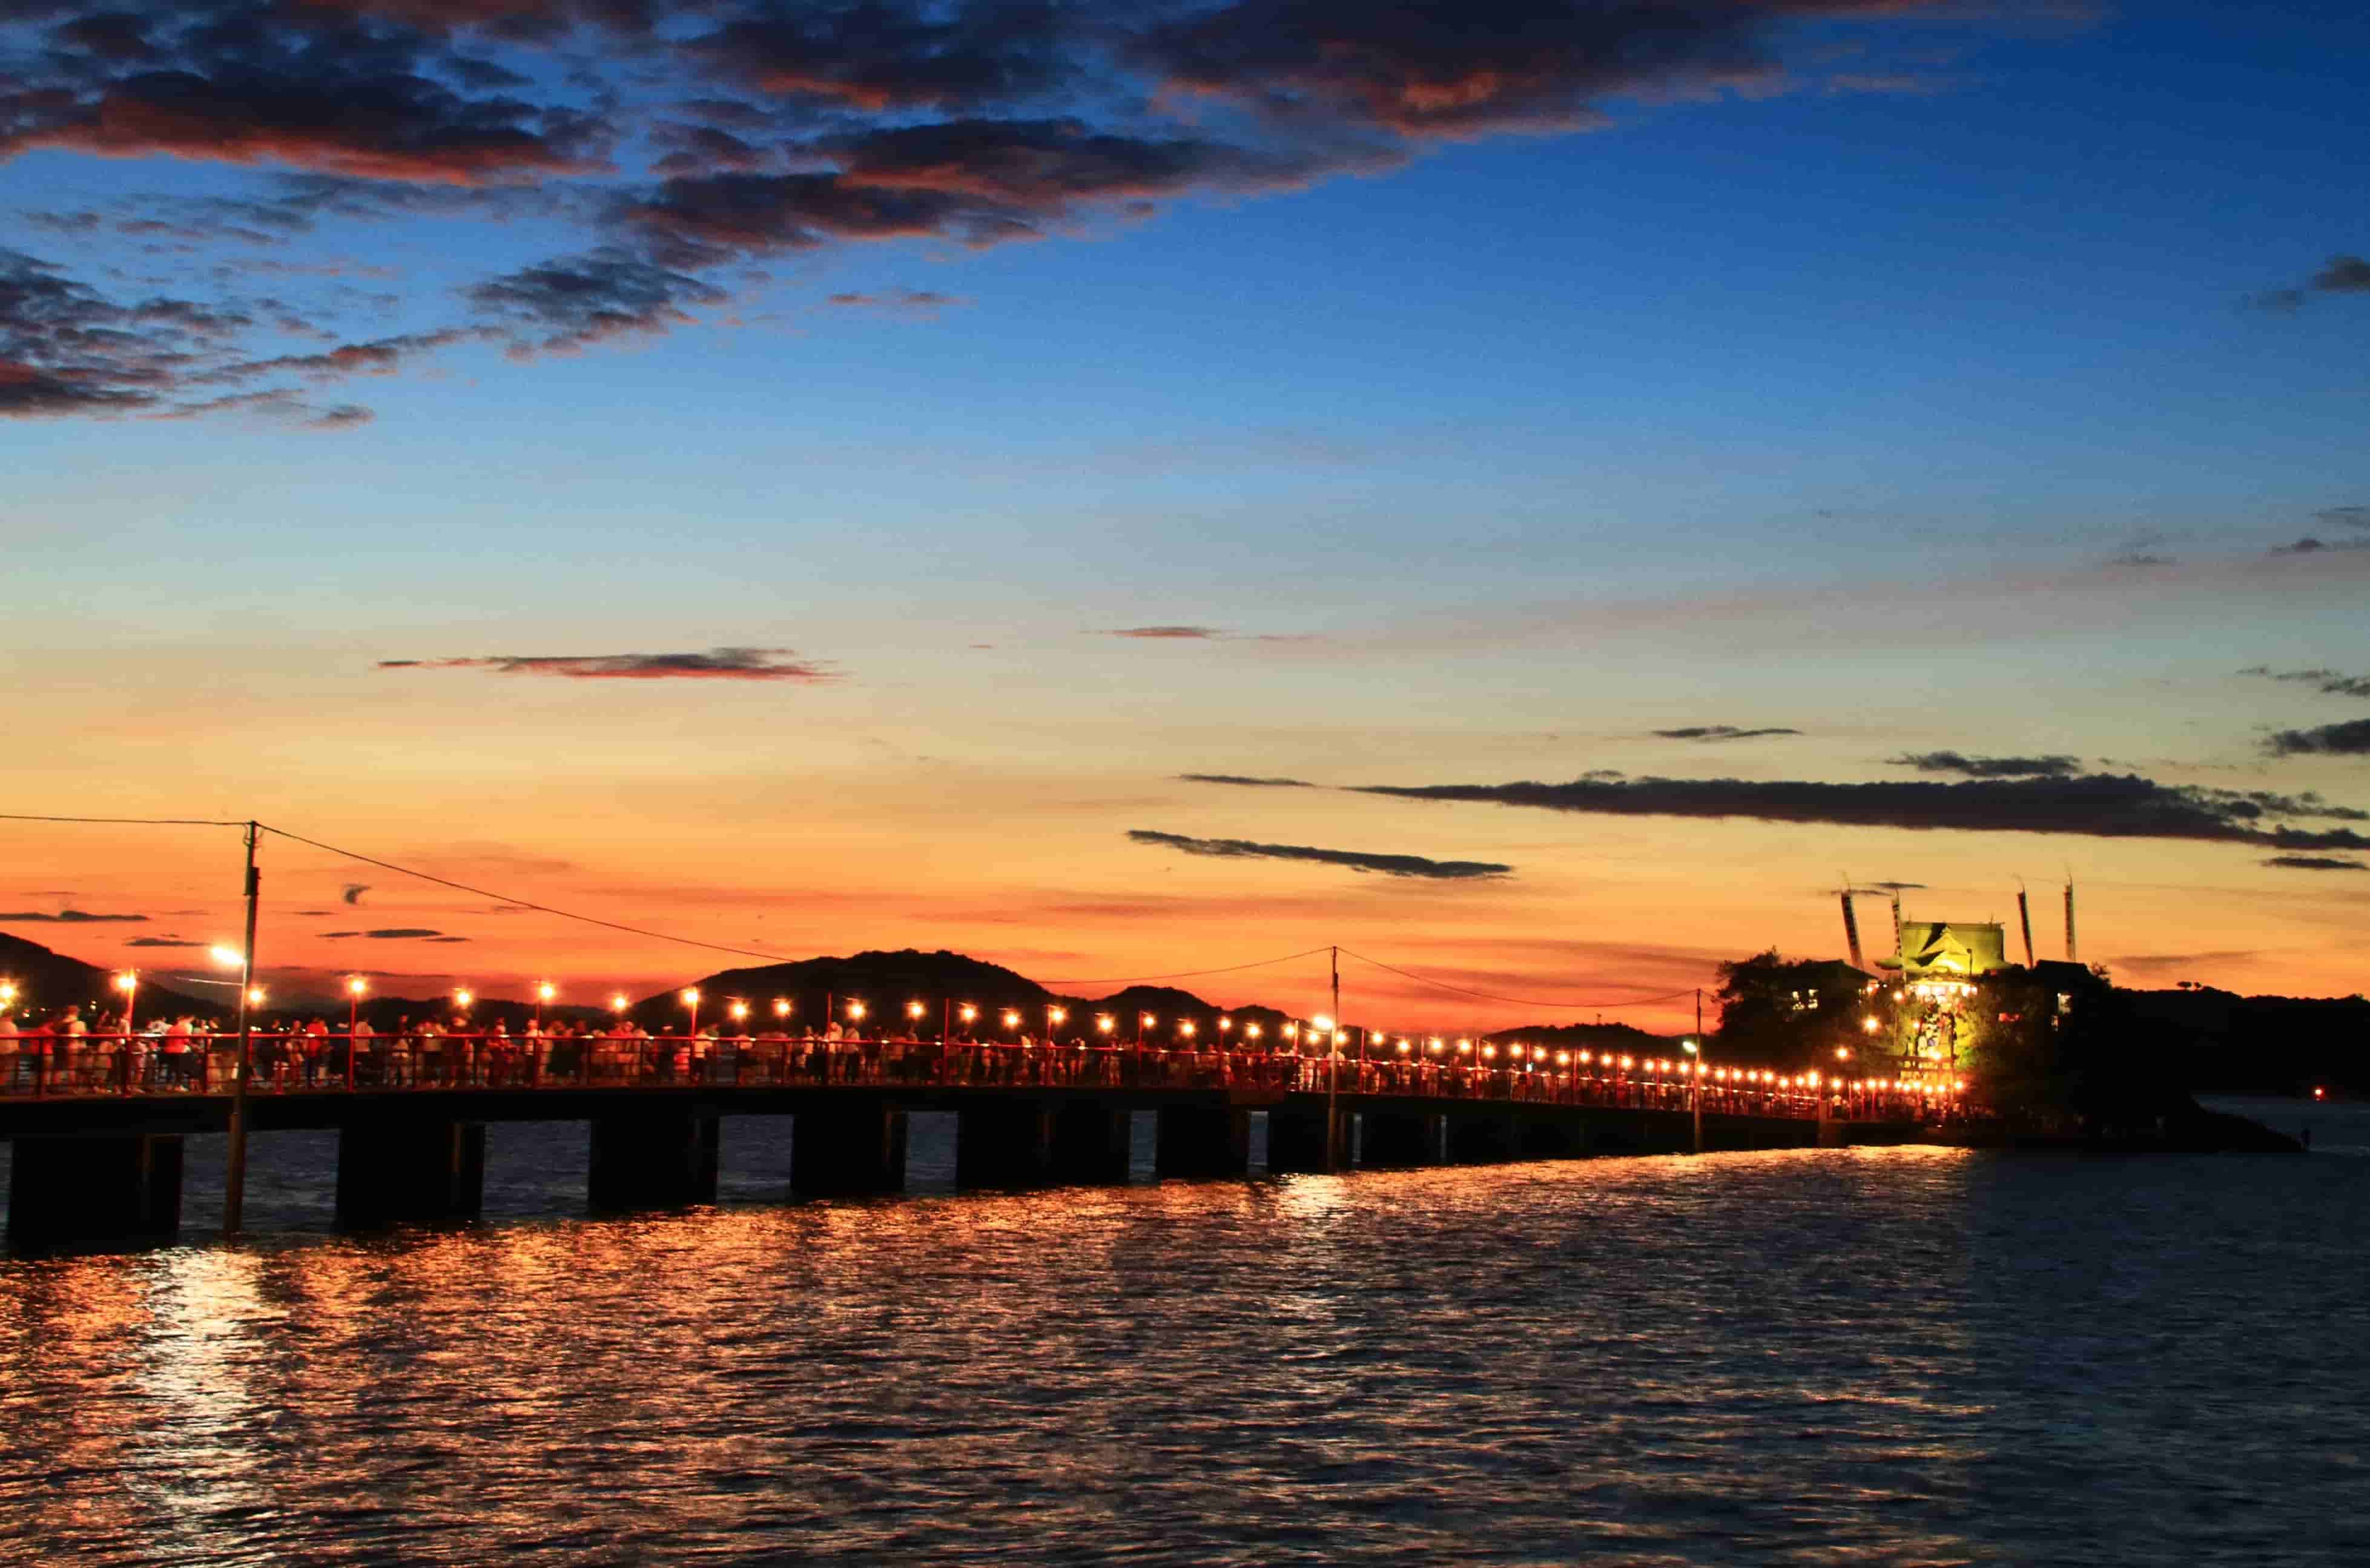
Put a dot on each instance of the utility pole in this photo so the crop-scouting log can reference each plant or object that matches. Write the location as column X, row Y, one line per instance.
column 1695, row 1099
column 1333, row 1074
column 235, row 1177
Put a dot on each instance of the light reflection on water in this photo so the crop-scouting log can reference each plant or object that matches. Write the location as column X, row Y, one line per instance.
column 1881, row 1357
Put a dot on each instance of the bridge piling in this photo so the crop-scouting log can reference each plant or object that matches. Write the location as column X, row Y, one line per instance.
column 849, row 1149
column 653, row 1160
column 1090, row 1145
column 98, row 1192
column 1399, row 1138
column 1202, row 1141
column 396, row 1168
column 1004, row 1144
column 1295, row 1141
column 1481, row 1136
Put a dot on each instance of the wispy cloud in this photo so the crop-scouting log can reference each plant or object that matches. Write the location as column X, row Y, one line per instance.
column 2349, row 740
column 70, row 917
column 1414, row 865
column 2056, row 765
column 2345, row 275
column 896, row 302
column 393, row 933
column 162, row 942
column 1721, row 732
column 1244, row 779
column 717, row 664
column 2092, row 805
column 2315, row 863
column 2330, row 681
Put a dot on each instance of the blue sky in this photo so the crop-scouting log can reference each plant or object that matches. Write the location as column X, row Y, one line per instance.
column 1821, row 381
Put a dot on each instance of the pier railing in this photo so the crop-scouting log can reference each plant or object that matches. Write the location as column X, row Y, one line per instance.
column 148, row 1065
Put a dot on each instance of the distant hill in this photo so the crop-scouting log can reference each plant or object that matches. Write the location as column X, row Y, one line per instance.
column 47, row 981
column 2270, row 1045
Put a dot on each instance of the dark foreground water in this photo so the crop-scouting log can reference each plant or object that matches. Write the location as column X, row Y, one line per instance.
column 1883, row 1357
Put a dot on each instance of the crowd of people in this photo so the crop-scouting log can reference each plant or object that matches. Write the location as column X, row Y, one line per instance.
column 67, row 1054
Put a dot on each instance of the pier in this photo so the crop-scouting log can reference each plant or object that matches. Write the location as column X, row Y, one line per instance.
column 97, row 1135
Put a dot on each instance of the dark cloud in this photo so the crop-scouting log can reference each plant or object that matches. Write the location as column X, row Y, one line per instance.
column 568, row 305
column 897, row 301
column 2348, row 739
column 683, row 142
column 2327, row 681
column 717, row 664
column 161, row 942
column 1462, row 68
column 2105, row 805
column 2315, row 863
column 1243, row 779
column 2311, row 545
column 874, row 55
column 1166, row 634
column 1720, row 732
column 2056, row 765
column 2344, row 275
column 334, row 96
column 351, row 893
column 1387, row 864
column 710, row 220
column 387, row 933
column 72, row 917
column 2344, row 517
column 1047, row 167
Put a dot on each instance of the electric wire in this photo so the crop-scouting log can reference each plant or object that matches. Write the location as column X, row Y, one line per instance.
column 130, row 821
column 1520, row 1001
column 401, row 870
column 528, row 903
column 1188, row 973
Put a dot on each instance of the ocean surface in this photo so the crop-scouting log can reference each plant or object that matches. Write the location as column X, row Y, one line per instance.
column 1883, row 1357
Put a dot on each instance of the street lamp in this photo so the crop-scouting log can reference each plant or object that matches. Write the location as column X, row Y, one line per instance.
column 781, row 1007
column 690, row 995
column 1054, row 1018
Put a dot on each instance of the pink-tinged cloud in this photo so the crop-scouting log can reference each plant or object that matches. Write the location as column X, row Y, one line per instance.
column 717, row 664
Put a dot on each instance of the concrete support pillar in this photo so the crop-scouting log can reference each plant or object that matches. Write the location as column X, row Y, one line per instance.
column 99, row 1193
column 653, row 1160
column 1004, row 1143
column 1091, row 1144
column 396, row 1169
column 1295, row 1141
column 1400, row 1137
column 1546, row 1136
column 1202, row 1141
column 1480, row 1137
column 849, row 1147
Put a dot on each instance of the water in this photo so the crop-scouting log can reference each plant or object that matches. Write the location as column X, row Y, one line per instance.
column 1879, row 1356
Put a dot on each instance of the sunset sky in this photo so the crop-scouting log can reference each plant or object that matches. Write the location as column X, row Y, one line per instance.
column 1533, row 493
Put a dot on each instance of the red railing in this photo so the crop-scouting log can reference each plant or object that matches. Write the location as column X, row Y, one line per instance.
column 150, row 1065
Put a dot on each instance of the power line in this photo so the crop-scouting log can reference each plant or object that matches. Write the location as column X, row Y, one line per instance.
column 1518, row 1001
column 130, row 821
column 1185, row 974
column 524, row 903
